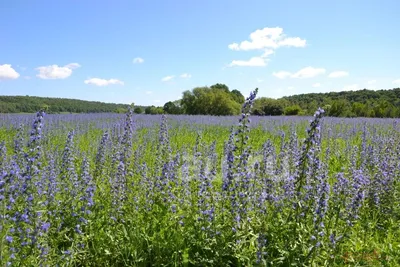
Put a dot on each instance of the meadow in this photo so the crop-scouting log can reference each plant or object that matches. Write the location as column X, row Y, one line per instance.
column 155, row 190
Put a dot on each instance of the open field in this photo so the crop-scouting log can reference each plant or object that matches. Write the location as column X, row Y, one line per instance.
column 148, row 190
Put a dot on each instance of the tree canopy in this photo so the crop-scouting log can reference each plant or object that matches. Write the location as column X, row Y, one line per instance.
column 31, row 104
column 361, row 103
column 153, row 110
column 213, row 100
column 172, row 108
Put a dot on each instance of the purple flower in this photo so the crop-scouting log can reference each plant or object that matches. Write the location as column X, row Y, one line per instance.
column 9, row 239
column 45, row 227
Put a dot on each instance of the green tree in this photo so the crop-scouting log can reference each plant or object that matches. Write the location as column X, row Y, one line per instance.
column 360, row 109
column 237, row 96
column 149, row 110
column 121, row 110
column 220, row 86
column 341, row 108
column 269, row 106
column 292, row 110
column 153, row 110
column 220, row 103
column 172, row 108
column 138, row 110
column 209, row 101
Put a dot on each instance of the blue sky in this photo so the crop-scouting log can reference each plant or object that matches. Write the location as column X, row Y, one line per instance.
column 149, row 52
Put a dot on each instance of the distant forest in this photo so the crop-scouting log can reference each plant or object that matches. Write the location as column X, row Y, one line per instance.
column 361, row 103
column 31, row 104
column 218, row 99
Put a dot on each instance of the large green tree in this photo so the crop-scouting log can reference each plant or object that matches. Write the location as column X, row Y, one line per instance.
column 172, row 108
column 214, row 100
column 138, row 110
column 220, row 86
column 237, row 96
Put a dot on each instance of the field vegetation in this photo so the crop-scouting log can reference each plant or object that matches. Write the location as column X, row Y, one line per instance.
column 111, row 189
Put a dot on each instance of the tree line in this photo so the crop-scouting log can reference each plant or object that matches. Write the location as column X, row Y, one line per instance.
column 219, row 100
column 31, row 104
column 360, row 103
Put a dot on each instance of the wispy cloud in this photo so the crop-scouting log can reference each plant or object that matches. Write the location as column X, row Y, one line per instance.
column 371, row 82
column 138, row 60
column 282, row 74
column 103, row 82
column 168, row 78
column 185, row 76
column 396, row 82
column 307, row 72
column 22, row 68
column 267, row 53
column 252, row 62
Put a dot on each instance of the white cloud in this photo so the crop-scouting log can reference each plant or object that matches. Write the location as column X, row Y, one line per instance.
column 252, row 62
column 149, row 92
column 8, row 73
column 290, row 88
column 138, row 60
column 316, row 85
column 72, row 65
column 260, row 80
column 293, row 41
column 267, row 52
column 308, row 72
column 103, row 82
column 167, row 78
column 186, row 76
column 267, row 38
column 371, row 82
column 352, row 87
column 157, row 101
column 282, row 74
column 397, row 82
column 338, row 74
column 234, row 46
column 56, row 72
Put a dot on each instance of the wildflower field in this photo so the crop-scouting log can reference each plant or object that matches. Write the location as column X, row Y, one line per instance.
column 149, row 190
